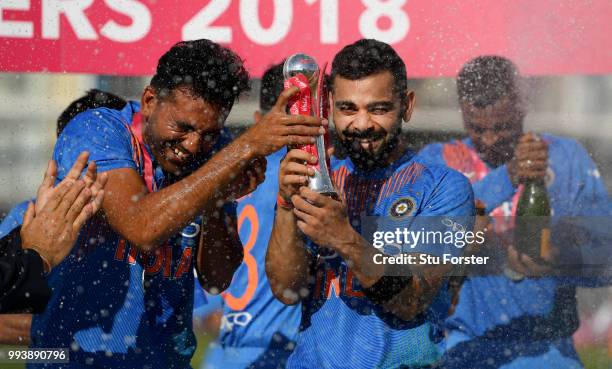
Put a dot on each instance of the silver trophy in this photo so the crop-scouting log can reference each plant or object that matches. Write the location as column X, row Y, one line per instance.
column 306, row 65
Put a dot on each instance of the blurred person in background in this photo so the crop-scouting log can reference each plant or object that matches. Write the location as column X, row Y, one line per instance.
column 132, row 303
column 92, row 99
column 257, row 330
column 355, row 314
column 501, row 322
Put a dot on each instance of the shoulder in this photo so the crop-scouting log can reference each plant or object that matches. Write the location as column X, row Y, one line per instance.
column 97, row 122
column 562, row 144
column 442, row 190
column 13, row 219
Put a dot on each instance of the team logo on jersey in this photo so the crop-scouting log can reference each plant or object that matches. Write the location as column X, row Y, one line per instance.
column 403, row 207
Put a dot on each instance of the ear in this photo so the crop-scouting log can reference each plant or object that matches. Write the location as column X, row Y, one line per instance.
column 410, row 101
column 147, row 102
column 257, row 115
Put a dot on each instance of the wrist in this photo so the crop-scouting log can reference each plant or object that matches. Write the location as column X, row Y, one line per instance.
column 282, row 203
column 41, row 254
column 347, row 242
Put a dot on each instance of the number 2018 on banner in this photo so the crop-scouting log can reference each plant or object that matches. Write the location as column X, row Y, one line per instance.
column 201, row 25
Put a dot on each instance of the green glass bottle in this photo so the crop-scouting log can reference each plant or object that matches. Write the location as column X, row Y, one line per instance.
column 532, row 228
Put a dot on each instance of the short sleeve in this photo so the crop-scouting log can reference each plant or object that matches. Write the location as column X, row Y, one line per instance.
column 101, row 132
column 444, row 219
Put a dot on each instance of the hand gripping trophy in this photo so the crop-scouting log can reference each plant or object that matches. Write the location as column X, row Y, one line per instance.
column 302, row 71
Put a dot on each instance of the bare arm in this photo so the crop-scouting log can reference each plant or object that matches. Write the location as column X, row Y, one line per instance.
column 220, row 251
column 15, row 329
column 147, row 219
column 287, row 261
column 324, row 220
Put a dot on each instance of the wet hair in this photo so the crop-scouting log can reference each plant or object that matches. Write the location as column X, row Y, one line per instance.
column 486, row 79
column 93, row 99
column 207, row 70
column 271, row 87
column 367, row 57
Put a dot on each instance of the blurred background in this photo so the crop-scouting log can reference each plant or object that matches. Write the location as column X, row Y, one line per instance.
column 574, row 106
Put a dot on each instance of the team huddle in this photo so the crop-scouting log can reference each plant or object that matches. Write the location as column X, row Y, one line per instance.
column 194, row 218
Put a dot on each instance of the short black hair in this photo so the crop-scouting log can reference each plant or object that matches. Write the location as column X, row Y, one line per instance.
column 486, row 79
column 271, row 86
column 367, row 57
column 208, row 70
column 93, row 99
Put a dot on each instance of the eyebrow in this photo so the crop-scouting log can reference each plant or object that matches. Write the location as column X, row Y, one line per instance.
column 385, row 104
column 381, row 104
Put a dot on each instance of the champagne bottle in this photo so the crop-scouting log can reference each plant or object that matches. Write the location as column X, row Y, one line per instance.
column 532, row 228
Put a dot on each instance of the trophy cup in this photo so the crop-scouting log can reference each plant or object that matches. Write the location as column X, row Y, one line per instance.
column 302, row 71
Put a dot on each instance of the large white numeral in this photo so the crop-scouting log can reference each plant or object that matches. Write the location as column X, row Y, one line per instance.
column 391, row 9
column 249, row 18
column 329, row 21
column 200, row 25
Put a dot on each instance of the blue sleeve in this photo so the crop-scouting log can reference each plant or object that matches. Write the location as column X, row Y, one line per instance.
column 13, row 219
column 204, row 303
column 101, row 132
column 586, row 234
column 446, row 215
column 495, row 188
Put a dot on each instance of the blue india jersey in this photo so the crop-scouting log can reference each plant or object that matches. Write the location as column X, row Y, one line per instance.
column 340, row 327
column 257, row 330
column 500, row 323
column 112, row 305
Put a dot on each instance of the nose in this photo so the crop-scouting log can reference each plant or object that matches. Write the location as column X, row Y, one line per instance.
column 362, row 121
column 489, row 138
column 192, row 143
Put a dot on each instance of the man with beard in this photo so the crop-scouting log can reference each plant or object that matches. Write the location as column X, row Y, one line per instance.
column 124, row 296
column 503, row 320
column 354, row 314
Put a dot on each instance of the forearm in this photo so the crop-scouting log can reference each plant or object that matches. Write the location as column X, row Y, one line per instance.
column 150, row 219
column 287, row 260
column 15, row 329
column 220, row 251
column 422, row 282
column 415, row 297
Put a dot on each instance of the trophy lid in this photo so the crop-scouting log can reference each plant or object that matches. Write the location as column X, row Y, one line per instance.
column 301, row 63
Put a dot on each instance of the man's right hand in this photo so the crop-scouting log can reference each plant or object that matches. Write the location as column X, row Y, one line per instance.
column 277, row 128
column 530, row 159
column 294, row 173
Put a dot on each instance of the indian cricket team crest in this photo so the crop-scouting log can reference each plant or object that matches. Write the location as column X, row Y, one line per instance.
column 403, row 207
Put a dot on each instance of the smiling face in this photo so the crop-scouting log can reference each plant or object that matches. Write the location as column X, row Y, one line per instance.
column 180, row 129
column 494, row 129
column 368, row 117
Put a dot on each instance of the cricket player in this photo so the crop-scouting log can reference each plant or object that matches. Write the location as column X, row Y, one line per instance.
column 500, row 322
column 257, row 330
column 124, row 296
column 354, row 315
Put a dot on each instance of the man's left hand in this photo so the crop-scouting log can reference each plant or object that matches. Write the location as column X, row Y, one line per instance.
column 323, row 219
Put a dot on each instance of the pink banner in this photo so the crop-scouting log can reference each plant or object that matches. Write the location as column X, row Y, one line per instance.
column 126, row 37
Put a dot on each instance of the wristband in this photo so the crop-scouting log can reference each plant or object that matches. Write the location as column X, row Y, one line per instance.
column 386, row 288
column 283, row 203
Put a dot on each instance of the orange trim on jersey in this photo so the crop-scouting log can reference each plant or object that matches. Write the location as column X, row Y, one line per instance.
column 240, row 303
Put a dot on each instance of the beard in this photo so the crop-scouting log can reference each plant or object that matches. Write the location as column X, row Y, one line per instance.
column 368, row 158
